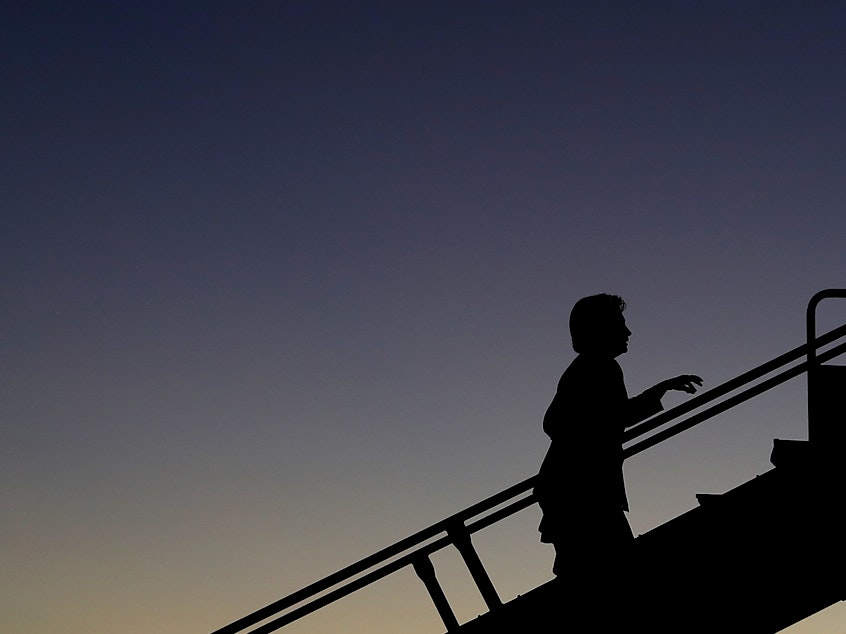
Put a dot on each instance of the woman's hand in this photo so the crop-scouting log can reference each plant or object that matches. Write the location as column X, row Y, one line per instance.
column 684, row 383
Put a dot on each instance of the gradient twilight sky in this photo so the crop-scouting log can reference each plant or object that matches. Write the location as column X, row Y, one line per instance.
column 284, row 282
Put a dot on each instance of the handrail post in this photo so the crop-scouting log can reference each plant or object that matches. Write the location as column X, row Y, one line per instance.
column 460, row 537
column 426, row 572
column 819, row 431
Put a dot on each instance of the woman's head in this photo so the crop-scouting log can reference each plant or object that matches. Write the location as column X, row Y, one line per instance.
column 597, row 325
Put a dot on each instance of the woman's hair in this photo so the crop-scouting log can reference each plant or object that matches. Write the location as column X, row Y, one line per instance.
column 590, row 319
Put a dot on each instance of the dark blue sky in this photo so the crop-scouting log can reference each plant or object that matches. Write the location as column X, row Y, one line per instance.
column 286, row 281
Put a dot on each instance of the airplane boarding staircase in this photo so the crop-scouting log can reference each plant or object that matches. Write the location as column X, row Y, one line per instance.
column 756, row 559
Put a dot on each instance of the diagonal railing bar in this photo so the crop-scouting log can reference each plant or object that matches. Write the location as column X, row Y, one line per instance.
column 327, row 582
column 731, row 385
column 505, row 511
column 356, row 584
column 722, row 406
column 377, row 558
column 396, row 565
column 503, row 504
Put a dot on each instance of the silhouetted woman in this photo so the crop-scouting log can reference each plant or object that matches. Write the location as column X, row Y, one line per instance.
column 580, row 486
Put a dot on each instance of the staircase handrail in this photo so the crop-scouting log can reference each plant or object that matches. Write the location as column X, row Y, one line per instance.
column 729, row 386
column 386, row 554
column 410, row 549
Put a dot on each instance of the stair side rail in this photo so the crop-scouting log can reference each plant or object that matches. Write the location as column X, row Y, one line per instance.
column 407, row 552
column 729, row 386
column 456, row 530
